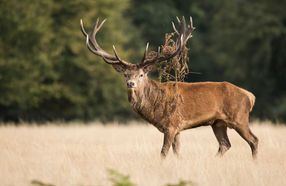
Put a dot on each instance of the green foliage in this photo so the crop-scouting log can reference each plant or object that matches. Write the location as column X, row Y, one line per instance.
column 47, row 73
column 119, row 179
column 46, row 70
column 39, row 183
column 183, row 183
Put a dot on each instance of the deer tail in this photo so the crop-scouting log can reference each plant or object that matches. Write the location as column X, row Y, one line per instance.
column 251, row 99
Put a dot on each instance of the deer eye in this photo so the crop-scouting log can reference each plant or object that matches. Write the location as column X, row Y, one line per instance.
column 141, row 75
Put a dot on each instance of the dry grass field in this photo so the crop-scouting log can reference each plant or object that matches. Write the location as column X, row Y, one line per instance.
column 81, row 155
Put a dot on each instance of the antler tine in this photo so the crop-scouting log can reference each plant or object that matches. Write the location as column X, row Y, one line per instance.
column 109, row 62
column 182, row 26
column 191, row 23
column 184, row 20
column 178, row 20
column 96, row 49
column 96, row 28
column 114, row 50
column 174, row 27
column 118, row 58
column 97, row 20
column 89, row 47
column 158, row 52
column 145, row 52
column 82, row 28
column 190, row 29
column 101, row 24
column 181, row 42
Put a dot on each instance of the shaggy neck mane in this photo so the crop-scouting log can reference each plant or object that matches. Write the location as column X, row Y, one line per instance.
column 151, row 101
column 145, row 99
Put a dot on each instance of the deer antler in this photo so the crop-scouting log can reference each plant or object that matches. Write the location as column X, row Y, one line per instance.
column 184, row 34
column 97, row 50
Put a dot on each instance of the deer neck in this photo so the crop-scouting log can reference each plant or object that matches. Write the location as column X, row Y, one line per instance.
column 146, row 98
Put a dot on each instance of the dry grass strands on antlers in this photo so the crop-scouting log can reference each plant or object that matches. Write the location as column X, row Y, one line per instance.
column 176, row 68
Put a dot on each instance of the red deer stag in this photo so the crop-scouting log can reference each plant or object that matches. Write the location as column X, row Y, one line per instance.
column 176, row 106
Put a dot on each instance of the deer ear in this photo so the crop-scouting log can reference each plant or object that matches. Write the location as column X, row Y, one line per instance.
column 119, row 68
column 148, row 68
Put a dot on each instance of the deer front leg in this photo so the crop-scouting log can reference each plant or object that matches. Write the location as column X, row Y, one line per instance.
column 168, row 140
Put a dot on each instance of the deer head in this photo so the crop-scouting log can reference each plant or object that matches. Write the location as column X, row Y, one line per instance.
column 136, row 74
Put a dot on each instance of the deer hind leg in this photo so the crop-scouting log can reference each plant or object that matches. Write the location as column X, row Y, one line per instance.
column 169, row 137
column 249, row 137
column 176, row 144
column 219, row 129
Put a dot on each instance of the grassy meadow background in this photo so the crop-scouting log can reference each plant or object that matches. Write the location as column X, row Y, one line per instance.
column 82, row 155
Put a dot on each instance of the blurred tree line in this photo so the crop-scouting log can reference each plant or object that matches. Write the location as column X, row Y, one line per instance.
column 47, row 73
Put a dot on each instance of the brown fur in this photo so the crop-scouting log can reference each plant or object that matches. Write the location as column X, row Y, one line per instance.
column 173, row 107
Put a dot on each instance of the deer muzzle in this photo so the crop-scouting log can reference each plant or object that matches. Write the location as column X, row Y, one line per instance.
column 130, row 84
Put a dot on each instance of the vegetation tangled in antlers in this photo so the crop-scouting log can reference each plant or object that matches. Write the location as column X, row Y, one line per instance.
column 176, row 68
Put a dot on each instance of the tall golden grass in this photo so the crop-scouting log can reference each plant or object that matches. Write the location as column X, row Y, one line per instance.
column 81, row 155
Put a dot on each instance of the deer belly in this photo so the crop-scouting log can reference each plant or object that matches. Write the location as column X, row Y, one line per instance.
column 203, row 120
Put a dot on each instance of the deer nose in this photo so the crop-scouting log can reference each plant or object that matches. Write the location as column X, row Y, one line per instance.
column 130, row 84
